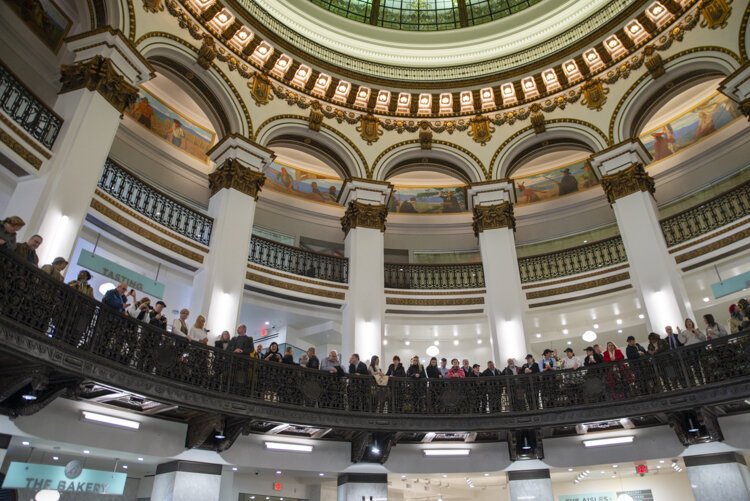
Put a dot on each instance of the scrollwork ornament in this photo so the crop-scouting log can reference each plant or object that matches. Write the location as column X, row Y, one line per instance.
column 654, row 62
column 626, row 182
column 315, row 120
column 233, row 175
column 594, row 94
column 207, row 52
column 425, row 136
column 715, row 13
column 369, row 128
column 491, row 217
column 481, row 129
column 362, row 215
column 98, row 74
column 153, row 6
column 260, row 89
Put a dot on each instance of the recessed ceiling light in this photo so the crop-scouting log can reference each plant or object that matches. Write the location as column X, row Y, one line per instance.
column 234, row 468
column 86, row 451
column 706, row 299
column 407, row 342
column 278, row 472
column 140, row 459
column 445, row 476
column 479, row 341
column 55, row 458
column 124, row 467
column 565, row 331
column 614, row 466
column 455, row 342
column 570, row 469
column 596, row 326
column 618, row 321
column 570, row 342
column 321, row 474
column 641, row 316
column 538, row 334
column 385, row 342
column 25, row 443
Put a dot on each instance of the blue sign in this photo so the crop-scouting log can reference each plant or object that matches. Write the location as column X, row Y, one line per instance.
column 119, row 273
column 731, row 285
column 69, row 478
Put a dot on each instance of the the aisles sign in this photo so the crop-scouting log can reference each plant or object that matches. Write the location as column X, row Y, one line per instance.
column 69, row 478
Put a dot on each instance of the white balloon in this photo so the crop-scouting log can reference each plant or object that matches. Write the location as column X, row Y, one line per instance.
column 433, row 351
column 589, row 336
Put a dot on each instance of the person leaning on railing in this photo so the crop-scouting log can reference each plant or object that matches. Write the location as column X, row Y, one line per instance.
column 56, row 268
column 8, row 229
column 26, row 251
column 115, row 298
column 81, row 283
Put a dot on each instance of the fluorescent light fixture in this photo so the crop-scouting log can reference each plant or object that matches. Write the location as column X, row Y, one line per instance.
column 446, row 452
column 284, row 446
column 111, row 420
column 609, row 441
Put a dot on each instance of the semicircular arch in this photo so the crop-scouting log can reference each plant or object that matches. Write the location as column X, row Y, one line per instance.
column 444, row 157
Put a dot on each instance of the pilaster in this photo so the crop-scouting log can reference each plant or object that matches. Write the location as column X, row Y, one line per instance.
column 737, row 88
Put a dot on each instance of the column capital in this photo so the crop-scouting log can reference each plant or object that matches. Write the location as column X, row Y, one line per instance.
column 492, row 217
column 368, row 191
column 248, row 153
column 737, row 88
column 626, row 182
column 232, row 175
column 490, row 193
column 364, row 215
column 620, row 157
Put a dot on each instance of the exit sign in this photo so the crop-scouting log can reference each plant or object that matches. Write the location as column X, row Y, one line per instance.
column 641, row 469
column 277, row 486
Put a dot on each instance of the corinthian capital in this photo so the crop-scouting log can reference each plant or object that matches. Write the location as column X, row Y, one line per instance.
column 362, row 215
column 491, row 217
column 98, row 74
column 232, row 175
column 627, row 181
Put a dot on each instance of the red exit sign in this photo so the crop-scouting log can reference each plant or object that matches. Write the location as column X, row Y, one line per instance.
column 641, row 469
column 277, row 486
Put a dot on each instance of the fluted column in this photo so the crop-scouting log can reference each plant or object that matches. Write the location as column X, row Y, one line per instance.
column 235, row 186
column 494, row 225
column 364, row 224
column 653, row 271
column 95, row 90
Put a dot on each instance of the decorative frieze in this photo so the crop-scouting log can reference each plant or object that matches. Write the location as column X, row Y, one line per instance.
column 98, row 74
column 491, row 217
column 481, row 129
column 362, row 215
column 369, row 128
column 626, row 182
column 232, row 175
column 594, row 94
column 260, row 88
column 715, row 13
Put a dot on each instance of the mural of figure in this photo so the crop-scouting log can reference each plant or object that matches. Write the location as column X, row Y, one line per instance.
column 286, row 180
column 177, row 135
column 567, row 183
column 705, row 124
column 663, row 142
column 315, row 191
column 409, row 206
column 332, row 195
column 143, row 112
column 393, row 202
column 450, row 202
column 528, row 193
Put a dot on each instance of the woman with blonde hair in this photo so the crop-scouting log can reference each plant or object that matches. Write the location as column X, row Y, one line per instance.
column 197, row 332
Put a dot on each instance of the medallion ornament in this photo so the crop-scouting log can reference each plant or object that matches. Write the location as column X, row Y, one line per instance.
column 481, row 129
column 491, row 217
column 626, row 182
column 715, row 13
column 594, row 94
column 654, row 62
column 99, row 74
column 234, row 175
column 361, row 215
column 260, row 88
column 537, row 122
column 153, row 6
column 425, row 136
column 369, row 128
column 315, row 120
column 207, row 52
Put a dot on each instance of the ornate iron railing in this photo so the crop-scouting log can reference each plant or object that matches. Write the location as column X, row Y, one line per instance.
column 434, row 276
column 38, row 311
column 710, row 215
column 154, row 204
column 298, row 261
column 589, row 257
column 23, row 107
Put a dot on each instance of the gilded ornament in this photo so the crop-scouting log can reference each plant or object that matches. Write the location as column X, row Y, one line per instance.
column 537, row 121
column 260, row 88
column 425, row 136
column 481, row 129
column 626, row 182
column 491, row 217
column 361, row 215
column 234, row 175
column 715, row 13
column 207, row 52
column 153, row 6
column 315, row 120
column 369, row 128
column 594, row 94
column 654, row 62
column 745, row 108
column 99, row 74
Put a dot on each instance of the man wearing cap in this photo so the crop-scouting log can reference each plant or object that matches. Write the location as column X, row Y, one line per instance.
column 592, row 358
column 530, row 367
column 55, row 269
column 570, row 360
column 81, row 283
column 548, row 362
column 156, row 317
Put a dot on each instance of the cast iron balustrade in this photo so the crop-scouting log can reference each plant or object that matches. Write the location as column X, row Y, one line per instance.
column 434, row 276
column 23, row 107
column 589, row 257
column 44, row 318
column 298, row 261
column 710, row 215
column 154, row 204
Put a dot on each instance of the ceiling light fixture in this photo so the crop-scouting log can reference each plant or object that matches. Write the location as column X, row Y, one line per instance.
column 599, row 442
column 288, row 447
column 111, row 420
column 446, row 452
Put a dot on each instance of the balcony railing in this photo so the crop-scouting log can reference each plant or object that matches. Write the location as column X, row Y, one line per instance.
column 23, row 107
column 708, row 216
column 434, row 276
column 298, row 261
column 589, row 257
column 42, row 317
column 154, row 204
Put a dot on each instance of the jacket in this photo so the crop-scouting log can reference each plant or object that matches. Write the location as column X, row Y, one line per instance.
column 27, row 254
column 114, row 300
column 244, row 343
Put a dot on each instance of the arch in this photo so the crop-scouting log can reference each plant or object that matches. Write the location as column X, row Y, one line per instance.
column 560, row 133
column 118, row 14
column 444, row 157
column 220, row 99
column 329, row 144
column 744, row 43
column 684, row 70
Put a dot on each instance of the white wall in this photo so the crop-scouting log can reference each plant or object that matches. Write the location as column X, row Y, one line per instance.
column 664, row 486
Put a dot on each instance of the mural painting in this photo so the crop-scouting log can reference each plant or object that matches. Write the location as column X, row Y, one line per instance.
column 46, row 20
column 167, row 123
column 302, row 183
column 702, row 120
column 421, row 200
column 554, row 183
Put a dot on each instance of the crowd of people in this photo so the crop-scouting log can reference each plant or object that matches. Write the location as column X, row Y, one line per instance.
column 123, row 299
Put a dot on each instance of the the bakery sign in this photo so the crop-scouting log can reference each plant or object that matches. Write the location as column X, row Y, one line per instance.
column 69, row 478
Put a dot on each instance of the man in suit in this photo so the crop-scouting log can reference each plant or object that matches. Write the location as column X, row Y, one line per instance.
column 491, row 370
column 672, row 339
column 242, row 344
column 356, row 366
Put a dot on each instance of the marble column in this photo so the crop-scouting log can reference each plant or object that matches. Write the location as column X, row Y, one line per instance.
column 187, row 481
column 494, row 225
column 530, row 484
column 235, row 186
column 96, row 89
column 364, row 224
column 362, row 487
column 724, row 476
column 653, row 271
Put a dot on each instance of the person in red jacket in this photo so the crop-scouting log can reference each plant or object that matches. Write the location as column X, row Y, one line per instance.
column 612, row 353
